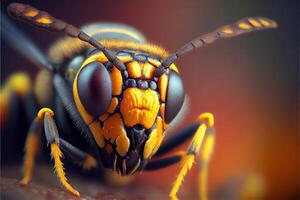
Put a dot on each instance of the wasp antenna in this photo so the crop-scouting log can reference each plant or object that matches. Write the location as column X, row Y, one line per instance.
column 245, row 25
column 24, row 45
column 44, row 20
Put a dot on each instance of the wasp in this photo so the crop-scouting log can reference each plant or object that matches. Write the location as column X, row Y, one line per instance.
column 116, row 92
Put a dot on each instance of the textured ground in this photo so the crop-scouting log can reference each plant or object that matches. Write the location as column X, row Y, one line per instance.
column 45, row 186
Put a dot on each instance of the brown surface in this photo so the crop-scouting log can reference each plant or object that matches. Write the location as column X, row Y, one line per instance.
column 45, row 186
column 11, row 189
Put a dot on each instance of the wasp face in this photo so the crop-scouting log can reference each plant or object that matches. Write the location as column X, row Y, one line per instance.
column 127, row 111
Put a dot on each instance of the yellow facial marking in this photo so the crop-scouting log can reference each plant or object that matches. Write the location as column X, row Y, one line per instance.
column 160, row 135
column 134, row 70
column 31, row 13
column 117, row 81
column 97, row 133
column 254, row 22
column 125, row 58
column 113, row 127
column 227, row 31
column 154, row 62
column 113, row 104
column 154, row 141
column 162, row 112
column 100, row 57
column 264, row 22
column 139, row 107
column 44, row 20
column 103, row 117
column 244, row 26
column 123, row 144
column 148, row 71
column 162, row 87
column 150, row 144
column 173, row 67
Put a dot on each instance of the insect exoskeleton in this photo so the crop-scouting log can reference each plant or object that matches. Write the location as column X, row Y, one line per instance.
column 126, row 110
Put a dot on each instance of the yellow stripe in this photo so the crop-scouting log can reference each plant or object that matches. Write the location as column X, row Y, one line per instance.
column 117, row 30
column 202, row 182
column 187, row 163
column 57, row 154
column 31, row 148
column 68, row 47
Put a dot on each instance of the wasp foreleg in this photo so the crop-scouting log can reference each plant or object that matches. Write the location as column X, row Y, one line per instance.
column 164, row 162
column 52, row 137
column 193, row 151
column 177, row 139
column 204, row 130
column 31, row 147
column 86, row 160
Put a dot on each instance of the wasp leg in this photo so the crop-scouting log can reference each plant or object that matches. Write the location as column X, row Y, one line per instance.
column 17, row 86
column 31, row 148
column 164, row 162
column 206, row 153
column 52, row 137
column 204, row 131
column 177, row 139
column 86, row 160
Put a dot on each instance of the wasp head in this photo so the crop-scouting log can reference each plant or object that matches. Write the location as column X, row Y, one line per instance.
column 127, row 110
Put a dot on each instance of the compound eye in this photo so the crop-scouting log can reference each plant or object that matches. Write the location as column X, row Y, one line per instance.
column 175, row 96
column 94, row 88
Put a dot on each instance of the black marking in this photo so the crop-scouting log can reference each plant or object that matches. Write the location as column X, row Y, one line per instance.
column 109, row 66
column 162, row 163
column 131, row 160
column 125, row 73
column 50, row 129
column 153, row 85
column 142, row 84
column 140, row 57
column 174, row 97
column 137, row 136
column 159, row 71
column 130, row 83
column 134, row 169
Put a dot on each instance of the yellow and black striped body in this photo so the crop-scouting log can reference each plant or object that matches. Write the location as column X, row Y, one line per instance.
column 132, row 128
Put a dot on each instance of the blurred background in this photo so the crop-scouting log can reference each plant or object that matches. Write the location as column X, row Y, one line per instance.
column 249, row 83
